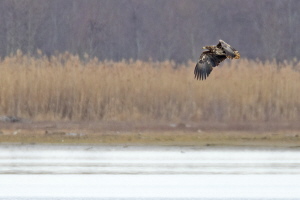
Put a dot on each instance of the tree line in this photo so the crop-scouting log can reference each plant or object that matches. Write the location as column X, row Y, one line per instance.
column 157, row 29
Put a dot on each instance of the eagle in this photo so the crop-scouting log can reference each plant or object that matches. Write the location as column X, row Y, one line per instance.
column 213, row 57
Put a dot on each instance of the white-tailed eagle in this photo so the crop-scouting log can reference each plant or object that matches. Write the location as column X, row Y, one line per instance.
column 213, row 57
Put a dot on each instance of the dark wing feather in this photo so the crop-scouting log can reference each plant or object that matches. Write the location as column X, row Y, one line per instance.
column 206, row 62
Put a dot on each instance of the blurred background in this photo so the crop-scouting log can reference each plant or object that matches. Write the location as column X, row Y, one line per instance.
column 134, row 60
column 160, row 30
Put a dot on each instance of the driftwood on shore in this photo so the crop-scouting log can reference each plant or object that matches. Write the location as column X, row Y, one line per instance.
column 11, row 119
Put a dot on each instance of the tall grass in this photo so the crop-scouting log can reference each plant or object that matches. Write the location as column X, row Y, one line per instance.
column 64, row 87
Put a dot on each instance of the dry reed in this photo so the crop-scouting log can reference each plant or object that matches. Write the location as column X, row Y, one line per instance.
column 64, row 87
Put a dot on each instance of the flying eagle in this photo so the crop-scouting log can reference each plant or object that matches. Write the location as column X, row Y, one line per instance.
column 213, row 57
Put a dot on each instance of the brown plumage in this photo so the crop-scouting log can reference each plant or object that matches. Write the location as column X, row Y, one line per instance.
column 213, row 57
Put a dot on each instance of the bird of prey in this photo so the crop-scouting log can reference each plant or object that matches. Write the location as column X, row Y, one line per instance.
column 212, row 57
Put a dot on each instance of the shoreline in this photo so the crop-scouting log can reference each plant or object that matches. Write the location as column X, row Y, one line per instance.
column 148, row 134
column 96, row 147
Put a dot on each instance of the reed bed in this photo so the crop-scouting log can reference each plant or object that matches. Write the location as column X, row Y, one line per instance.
column 65, row 87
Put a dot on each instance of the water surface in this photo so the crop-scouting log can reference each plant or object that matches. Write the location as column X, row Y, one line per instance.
column 160, row 173
column 39, row 159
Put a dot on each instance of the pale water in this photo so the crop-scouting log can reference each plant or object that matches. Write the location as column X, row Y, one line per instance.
column 93, row 172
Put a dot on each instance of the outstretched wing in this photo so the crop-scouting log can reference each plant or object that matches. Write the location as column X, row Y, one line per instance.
column 205, row 64
column 229, row 51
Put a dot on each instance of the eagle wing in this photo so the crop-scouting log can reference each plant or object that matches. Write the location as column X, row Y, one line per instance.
column 229, row 51
column 205, row 64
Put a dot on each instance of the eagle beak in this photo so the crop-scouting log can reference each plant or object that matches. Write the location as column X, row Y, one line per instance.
column 203, row 48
